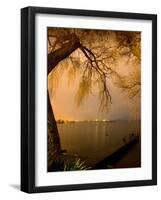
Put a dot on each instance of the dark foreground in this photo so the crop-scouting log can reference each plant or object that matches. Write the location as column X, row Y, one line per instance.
column 99, row 145
column 120, row 158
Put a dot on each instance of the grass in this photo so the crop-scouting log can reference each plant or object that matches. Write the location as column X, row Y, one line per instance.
column 67, row 162
column 77, row 164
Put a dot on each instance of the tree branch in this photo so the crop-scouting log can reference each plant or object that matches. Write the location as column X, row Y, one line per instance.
column 94, row 64
column 58, row 55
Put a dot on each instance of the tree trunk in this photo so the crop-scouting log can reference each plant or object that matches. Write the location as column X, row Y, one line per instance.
column 52, row 124
column 58, row 55
column 54, row 145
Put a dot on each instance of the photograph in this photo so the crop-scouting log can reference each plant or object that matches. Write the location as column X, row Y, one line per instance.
column 89, row 99
column 93, row 99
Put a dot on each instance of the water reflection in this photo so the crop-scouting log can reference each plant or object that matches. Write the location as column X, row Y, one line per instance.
column 93, row 141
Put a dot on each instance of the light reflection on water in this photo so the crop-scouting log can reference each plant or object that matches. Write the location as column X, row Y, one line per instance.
column 94, row 141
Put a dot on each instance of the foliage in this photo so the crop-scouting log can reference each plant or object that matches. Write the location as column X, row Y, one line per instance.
column 96, row 61
column 77, row 164
column 68, row 163
column 83, row 91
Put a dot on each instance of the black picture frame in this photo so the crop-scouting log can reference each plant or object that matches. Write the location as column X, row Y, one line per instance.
column 28, row 98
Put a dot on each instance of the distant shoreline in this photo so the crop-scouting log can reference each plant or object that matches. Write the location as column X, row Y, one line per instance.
column 95, row 121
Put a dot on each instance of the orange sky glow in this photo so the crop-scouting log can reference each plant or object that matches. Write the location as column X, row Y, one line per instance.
column 62, row 90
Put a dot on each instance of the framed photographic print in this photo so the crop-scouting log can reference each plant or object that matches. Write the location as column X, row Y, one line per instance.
column 88, row 99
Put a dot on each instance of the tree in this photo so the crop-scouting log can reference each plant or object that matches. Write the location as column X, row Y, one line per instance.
column 95, row 53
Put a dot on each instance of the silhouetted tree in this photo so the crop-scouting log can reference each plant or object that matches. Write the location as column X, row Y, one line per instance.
column 95, row 53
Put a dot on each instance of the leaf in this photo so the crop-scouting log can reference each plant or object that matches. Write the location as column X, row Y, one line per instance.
column 83, row 91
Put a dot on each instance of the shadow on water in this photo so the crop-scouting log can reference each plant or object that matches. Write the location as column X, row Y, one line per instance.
column 115, row 157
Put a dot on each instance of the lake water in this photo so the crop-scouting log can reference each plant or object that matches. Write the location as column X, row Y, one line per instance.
column 93, row 141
